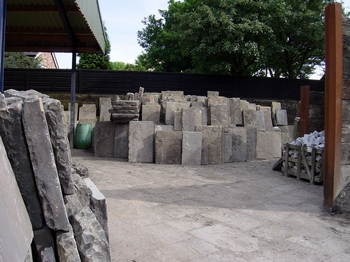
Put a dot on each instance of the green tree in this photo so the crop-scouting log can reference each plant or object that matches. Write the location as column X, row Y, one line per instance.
column 96, row 61
column 20, row 60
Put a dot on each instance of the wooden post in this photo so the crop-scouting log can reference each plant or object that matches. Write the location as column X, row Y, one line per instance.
column 304, row 110
column 333, row 101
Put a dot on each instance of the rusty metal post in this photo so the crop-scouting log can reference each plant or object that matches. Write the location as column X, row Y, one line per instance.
column 333, row 103
column 304, row 110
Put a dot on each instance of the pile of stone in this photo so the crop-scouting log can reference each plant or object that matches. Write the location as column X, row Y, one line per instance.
column 66, row 211
column 194, row 130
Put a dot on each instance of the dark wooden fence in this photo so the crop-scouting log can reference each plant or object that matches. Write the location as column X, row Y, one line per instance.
column 122, row 82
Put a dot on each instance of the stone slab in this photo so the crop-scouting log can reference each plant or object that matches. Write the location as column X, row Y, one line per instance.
column 268, row 120
column 171, row 107
column 260, row 120
column 281, row 117
column 44, row 244
column 178, row 120
column 87, row 111
column 121, row 141
column 191, row 148
column 163, row 128
column 24, row 94
column 104, row 136
column 141, row 142
column 67, row 249
column 192, row 117
column 249, row 118
column 43, row 164
column 239, row 144
column 236, row 117
column 268, row 145
column 219, row 115
column 212, row 144
column 151, row 112
column 228, row 148
column 104, row 105
column 168, row 147
column 15, row 228
column 251, row 142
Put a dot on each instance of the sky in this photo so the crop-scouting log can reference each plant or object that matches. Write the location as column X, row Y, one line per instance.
column 123, row 19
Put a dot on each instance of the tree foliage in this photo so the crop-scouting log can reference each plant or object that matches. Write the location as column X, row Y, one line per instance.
column 20, row 60
column 278, row 38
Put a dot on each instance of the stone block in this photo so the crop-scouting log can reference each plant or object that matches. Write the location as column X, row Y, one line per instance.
column 243, row 105
column 66, row 246
column 268, row 145
column 260, row 120
column 121, row 141
column 219, row 115
column 87, row 111
column 151, row 112
column 82, row 191
column 217, row 100
column 125, row 106
column 168, row 147
column 44, row 244
column 212, row 144
column 275, row 106
column 98, row 205
column 175, row 95
column 212, row 93
column 151, row 98
column 178, row 120
column 141, row 142
column 251, row 142
column 104, row 106
column 192, row 117
column 228, row 148
column 171, row 107
column 104, row 137
column 57, row 127
column 24, row 94
column 251, row 106
column 163, row 128
column 11, row 130
column 281, row 117
column 239, row 144
column 191, row 148
column 268, row 120
column 3, row 102
column 249, row 118
column 236, row 117
column 15, row 229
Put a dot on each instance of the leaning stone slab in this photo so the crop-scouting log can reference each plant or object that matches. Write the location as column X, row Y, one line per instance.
column 98, row 205
column 66, row 246
column 239, row 144
column 281, row 117
column 141, row 142
column 16, row 230
column 260, row 120
column 171, row 107
column 82, row 190
column 43, row 163
column 178, row 120
column 90, row 237
column 268, row 120
column 249, row 118
column 212, row 144
column 227, row 148
column 11, row 130
column 121, row 141
column 192, row 117
column 104, row 135
column 191, row 148
column 3, row 102
column 251, row 142
column 268, row 145
column 105, row 105
column 151, row 112
column 168, row 147
column 235, row 111
column 56, row 122
column 219, row 115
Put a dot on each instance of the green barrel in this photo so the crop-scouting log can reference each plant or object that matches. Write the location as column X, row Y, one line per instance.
column 83, row 136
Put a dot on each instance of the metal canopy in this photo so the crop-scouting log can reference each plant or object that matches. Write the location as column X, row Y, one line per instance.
column 54, row 26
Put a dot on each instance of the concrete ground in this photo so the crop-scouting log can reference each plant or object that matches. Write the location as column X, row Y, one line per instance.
column 228, row 212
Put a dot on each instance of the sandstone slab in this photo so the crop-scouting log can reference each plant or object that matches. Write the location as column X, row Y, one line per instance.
column 191, row 148
column 141, row 141
column 121, row 141
column 168, row 147
column 104, row 135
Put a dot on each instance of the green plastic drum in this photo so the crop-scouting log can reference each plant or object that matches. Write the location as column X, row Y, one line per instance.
column 83, row 135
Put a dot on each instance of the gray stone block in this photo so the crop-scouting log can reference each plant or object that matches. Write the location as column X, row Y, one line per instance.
column 3, row 102
column 168, row 147
column 228, row 148
column 66, row 246
column 192, row 117
column 15, row 230
column 212, row 93
column 151, row 98
column 44, row 244
column 171, row 107
column 281, row 117
column 236, row 117
column 104, row 137
column 121, row 141
column 104, row 106
column 191, row 148
column 178, row 120
column 249, row 118
column 43, row 164
column 141, row 142
column 163, row 128
column 268, row 145
column 212, row 144
column 82, row 191
column 268, row 120
column 260, row 120
column 219, row 115
column 251, row 142
column 175, row 95
column 24, row 94
column 239, row 144
column 151, row 112
column 56, row 123
column 87, row 111
column 11, row 130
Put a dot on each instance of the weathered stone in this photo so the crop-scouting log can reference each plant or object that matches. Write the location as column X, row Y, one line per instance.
column 16, row 230
column 48, row 254
column 219, row 115
column 151, row 112
column 239, row 144
column 252, row 106
column 268, row 120
column 275, row 106
column 178, row 120
column 260, row 120
column 24, row 94
column 168, row 147
column 249, row 118
column 236, row 117
column 163, row 128
column 171, row 107
column 177, row 96
column 3, row 102
column 80, row 169
column 228, row 148
column 268, row 145
column 90, row 237
column 121, row 141
column 44, row 244
column 150, row 98
column 104, row 136
column 212, row 93
column 98, row 205
column 105, row 105
column 141, row 142
column 81, row 189
column 342, row 202
column 124, row 118
column 126, row 106
column 11, row 130
column 192, row 117
column 87, row 111
column 217, row 100
column 281, row 117
column 13, row 100
column 212, row 144
column 56, row 123
column 251, row 142
column 191, row 148
column 244, row 105
column 72, row 204
column 66, row 246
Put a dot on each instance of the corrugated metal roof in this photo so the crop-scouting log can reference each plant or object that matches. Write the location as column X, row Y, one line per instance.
column 37, row 25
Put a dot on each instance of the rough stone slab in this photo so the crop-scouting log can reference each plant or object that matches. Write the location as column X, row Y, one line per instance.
column 171, row 107
column 43, row 163
column 244, row 105
column 212, row 144
column 87, row 111
column 98, row 205
column 268, row 145
column 121, row 141
column 141, row 142
column 80, row 169
column 168, row 147
column 104, row 136
column 228, row 148
column 219, row 115
column 239, row 144
column 281, row 117
column 44, row 244
column 66, row 246
column 178, row 121
column 260, row 120
column 24, row 94
column 132, row 105
column 217, row 100
column 236, row 117
column 150, row 98
column 105, row 105
column 252, row 106
column 249, row 118
column 3, row 102
column 268, row 120
column 15, row 228
column 82, row 190
column 151, row 112
column 191, row 148
column 251, row 142
column 212, row 93
column 47, row 254
column 163, row 128
column 176, row 95
column 90, row 237
column 275, row 106
column 11, row 130
column 56, row 122
column 192, row 117
column 124, row 118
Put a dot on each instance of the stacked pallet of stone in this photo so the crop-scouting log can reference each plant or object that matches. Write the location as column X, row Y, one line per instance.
column 302, row 157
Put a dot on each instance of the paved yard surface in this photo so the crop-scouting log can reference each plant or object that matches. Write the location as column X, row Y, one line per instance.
column 229, row 212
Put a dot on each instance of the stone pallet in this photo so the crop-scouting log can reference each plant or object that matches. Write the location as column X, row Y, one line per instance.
column 304, row 165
